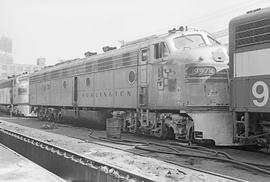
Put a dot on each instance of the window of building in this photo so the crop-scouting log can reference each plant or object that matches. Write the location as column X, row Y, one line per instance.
column 27, row 69
column 4, row 75
column 19, row 68
column 4, row 67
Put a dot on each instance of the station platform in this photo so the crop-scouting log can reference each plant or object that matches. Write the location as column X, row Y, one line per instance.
column 16, row 168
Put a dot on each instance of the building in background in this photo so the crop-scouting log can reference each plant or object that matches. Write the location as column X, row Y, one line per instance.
column 6, row 58
column 41, row 62
column 16, row 69
column 7, row 65
column 6, row 44
column 6, row 50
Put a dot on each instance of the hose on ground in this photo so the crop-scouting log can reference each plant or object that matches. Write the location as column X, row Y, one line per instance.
column 208, row 157
column 204, row 150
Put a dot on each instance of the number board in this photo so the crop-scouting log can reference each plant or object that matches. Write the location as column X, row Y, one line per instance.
column 259, row 90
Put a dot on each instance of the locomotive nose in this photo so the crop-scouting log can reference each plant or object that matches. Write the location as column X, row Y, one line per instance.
column 213, row 54
column 209, row 54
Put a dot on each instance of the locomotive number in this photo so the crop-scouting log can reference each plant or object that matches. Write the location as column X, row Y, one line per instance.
column 261, row 97
column 199, row 71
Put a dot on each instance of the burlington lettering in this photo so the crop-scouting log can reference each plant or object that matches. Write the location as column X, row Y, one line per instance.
column 117, row 93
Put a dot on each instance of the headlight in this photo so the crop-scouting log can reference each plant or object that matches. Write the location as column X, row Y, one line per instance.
column 219, row 55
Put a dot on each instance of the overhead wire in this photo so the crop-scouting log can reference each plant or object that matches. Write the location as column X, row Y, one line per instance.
column 243, row 6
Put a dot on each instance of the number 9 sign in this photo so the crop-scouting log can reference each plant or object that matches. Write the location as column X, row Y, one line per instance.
column 263, row 96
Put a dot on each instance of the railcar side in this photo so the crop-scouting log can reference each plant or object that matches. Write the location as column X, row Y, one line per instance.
column 5, row 95
column 14, row 95
column 250, row 76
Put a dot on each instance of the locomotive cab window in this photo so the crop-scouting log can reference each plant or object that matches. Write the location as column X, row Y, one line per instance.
column 213, row 41
column 144, row 55
column 188, row 42
column 160, row 50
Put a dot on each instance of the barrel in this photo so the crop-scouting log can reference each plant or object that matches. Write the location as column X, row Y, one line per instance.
column 113, row 127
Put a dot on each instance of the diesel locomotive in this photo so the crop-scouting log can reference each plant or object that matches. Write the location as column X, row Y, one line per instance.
column 173, row 85
column 249, row 51
column 176, row 85
column 14, row 95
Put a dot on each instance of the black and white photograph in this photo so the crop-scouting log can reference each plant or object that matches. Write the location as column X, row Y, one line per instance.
column 134, row 91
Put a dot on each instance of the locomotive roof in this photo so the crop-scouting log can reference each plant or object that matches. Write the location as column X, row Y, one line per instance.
column 127, row 48
column 251, row 16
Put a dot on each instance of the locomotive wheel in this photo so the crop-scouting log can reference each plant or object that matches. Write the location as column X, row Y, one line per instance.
column 39, row 116
column 169, row 134
column 158, row 134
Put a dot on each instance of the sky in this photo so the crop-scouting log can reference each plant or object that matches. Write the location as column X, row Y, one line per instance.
column 65, row 29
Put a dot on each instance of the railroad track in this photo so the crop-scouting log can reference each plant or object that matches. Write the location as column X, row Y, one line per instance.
column 66, row 164
column 72, row 156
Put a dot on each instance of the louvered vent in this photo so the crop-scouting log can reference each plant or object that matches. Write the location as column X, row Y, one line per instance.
column 252, row 33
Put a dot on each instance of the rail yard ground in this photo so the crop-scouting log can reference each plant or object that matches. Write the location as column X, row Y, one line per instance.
column 112, row 151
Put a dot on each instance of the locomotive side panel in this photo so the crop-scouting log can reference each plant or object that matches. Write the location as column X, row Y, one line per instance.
column 5, row 92
column 259, row 93
column 48, row 93
column 252, row 94
column 33, row 93
column 104, row 89
column 165, row 87
column 55, row 92
column 66, row 89
column 125, row 87
column 249, row 50
column 86, row 96
column 40, row 88
column 251, row 80
column 6, row 96
column 206, row 85
column 43, row 93
column 249, row 61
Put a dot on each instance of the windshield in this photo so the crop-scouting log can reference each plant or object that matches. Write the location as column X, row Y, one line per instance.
column 213, row 41
column 188, row 41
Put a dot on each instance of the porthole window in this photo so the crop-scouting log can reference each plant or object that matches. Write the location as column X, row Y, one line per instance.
column 87, row 82
column 131, row 76
column 65, row 84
